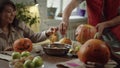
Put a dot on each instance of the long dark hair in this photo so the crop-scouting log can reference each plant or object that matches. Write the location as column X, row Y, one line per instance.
column 3, row 3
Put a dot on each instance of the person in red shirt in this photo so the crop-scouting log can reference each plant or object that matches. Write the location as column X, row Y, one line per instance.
column 103, row 14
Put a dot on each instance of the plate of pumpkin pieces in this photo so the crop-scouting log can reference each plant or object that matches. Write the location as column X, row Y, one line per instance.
column 25, row 60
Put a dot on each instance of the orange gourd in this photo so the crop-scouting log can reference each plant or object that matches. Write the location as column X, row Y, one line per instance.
column 85, row 32
column 22, row 44
column 94, row 50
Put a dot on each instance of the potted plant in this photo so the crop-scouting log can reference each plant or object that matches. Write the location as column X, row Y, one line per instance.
column 51, row 11
column 25, row 15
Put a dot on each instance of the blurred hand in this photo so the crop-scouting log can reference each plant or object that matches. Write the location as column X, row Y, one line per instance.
column 100, row 27
column 51, row 31
column 63, row 28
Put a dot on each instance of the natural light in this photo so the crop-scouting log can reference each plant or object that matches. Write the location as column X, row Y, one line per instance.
column 58, row 3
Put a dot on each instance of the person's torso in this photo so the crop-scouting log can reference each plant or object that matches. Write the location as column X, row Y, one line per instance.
column 102, row 10
column 8, row 40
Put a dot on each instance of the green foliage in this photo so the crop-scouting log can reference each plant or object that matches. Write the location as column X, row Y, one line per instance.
column 23, row 14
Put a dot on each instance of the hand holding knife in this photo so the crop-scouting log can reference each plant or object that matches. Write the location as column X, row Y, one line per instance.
column 63, row 31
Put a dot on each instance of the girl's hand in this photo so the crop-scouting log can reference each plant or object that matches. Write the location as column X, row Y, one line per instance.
column 51, row 31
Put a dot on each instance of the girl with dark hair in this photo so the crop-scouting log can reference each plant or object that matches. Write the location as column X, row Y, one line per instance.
column 12, row 29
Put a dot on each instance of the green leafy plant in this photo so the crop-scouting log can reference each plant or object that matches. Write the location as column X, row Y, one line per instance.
column 23, row 14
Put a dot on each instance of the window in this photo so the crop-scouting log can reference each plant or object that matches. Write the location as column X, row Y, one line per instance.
column 57, row 4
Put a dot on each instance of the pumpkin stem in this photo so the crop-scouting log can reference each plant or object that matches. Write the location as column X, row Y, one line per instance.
column 96, row 36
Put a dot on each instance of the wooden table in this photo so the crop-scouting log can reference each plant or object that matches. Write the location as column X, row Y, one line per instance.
column 49, row 61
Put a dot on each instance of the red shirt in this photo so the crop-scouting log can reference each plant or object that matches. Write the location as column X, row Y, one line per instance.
column 97, row 9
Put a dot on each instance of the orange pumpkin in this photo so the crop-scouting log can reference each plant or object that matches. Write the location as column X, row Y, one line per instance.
column 94, row 50
column 22, row 44
column 85, row 32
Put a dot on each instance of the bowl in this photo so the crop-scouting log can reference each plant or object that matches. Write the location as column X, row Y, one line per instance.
column 56, row 49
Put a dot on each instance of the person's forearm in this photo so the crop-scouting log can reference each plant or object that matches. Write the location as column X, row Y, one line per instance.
column 113, row 22
column 68, row 10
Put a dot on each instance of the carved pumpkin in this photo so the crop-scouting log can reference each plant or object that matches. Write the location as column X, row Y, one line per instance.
column 85, row 32
column 65, row 41
column 22, row 44
column 94, row 50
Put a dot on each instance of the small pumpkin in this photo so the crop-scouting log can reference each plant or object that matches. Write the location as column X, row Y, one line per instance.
column 65, row 41
column 22, row 44
column 94, row 50
column 85, row 32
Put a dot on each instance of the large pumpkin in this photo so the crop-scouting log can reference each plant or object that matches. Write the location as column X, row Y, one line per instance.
column 22, row 44
column 85, row 32
column 94, row 50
